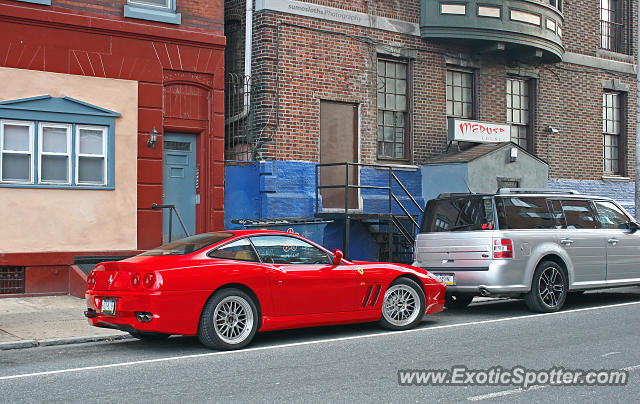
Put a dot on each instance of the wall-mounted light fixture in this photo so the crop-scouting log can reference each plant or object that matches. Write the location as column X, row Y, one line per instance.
column 513, row 156
column 551, row 129
column 153, row 137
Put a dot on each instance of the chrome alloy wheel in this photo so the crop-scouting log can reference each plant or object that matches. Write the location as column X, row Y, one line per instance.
column 233, row 320
column 551, row 286
column 401, row 305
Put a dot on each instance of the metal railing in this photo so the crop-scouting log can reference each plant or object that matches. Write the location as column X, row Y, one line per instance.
column 171, row 208
column 394, row 220
column 613, row 37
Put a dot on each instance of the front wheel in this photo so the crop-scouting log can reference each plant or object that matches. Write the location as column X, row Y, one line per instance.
column 229, row 320
column 403, row 305
column 549, row 288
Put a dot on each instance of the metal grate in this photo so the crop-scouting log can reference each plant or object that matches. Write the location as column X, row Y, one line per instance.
column 11, row 280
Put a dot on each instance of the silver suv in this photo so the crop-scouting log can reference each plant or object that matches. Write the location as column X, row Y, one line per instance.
column 537, row 244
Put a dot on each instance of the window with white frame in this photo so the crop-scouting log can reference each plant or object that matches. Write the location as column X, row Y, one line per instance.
column 612, row 132
column 91, row 164
column 518, row 110
column 152, row 3
column 459, row 94
column 54, row 153
column 44, row 154
column 153, row 10
column 16, row 151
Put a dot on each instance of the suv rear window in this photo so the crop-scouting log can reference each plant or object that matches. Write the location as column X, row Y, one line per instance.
column 523, row 213
column 458, row 214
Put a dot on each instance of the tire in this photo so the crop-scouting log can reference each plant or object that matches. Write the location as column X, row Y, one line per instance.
column 229, row 320
column 149, row 336
column 403, row 305
column 549, row 288
column 457, row 301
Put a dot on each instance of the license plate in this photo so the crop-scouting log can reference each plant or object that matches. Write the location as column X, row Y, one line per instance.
column 108, row 306
column 447, row 279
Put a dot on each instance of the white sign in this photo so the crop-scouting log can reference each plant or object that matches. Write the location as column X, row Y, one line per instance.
column 462, row 130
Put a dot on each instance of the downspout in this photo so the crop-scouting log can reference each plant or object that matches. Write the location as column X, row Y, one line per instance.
column 248, row 50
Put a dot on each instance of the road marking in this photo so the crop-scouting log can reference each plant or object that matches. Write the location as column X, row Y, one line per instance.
column 306, row 343
column 504, row 393
column 609, row 354
column 521, row 390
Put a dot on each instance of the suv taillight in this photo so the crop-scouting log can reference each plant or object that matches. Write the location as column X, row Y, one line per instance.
column 502, row 248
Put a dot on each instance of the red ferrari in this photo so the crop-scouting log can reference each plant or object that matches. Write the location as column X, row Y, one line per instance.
column 224, row 287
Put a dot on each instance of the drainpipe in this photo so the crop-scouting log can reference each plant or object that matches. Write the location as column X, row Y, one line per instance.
column 638, row 118
column 248, row 50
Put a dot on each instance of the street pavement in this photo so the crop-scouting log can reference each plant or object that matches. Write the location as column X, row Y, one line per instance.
column 354, row 363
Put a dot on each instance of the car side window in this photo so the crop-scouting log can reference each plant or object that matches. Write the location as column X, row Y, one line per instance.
column 239, row 250
column 289, row 250
column 524, row 213
column 611, row 217
column 578, row 214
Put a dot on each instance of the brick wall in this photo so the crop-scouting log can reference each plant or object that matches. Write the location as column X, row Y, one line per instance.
column 302, row 61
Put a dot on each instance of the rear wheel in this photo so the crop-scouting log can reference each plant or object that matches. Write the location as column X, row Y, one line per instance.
column 457, row 301
column 229, row 320
column 149, row 336
column 403, row 305
column 549, row 288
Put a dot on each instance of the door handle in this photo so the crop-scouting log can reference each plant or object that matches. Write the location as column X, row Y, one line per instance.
column 567, row 242
column 613, row 241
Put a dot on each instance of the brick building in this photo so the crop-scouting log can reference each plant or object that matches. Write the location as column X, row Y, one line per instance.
column 106, row 107
column 387, row 75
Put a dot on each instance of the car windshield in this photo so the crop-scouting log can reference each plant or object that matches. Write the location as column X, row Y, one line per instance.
column 189, row 244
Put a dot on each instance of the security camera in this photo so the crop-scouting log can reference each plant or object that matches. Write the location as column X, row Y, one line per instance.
column 551, row 129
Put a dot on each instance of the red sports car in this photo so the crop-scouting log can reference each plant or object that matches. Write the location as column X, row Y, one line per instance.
column 224, row 287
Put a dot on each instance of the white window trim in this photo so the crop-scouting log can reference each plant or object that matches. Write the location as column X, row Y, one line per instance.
column 41, row 126
column 30, row 125
column 169, row 4
column 104, row 155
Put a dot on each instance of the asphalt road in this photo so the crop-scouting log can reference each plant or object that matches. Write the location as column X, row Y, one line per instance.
column 356, row 363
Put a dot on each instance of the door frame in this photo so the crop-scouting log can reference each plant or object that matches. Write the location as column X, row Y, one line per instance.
column 358, row 146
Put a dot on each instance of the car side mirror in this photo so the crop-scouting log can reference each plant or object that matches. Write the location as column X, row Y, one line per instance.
column 337, row 256
column 633, row 227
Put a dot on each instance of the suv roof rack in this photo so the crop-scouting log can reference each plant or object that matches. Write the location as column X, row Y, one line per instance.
column 503, row 191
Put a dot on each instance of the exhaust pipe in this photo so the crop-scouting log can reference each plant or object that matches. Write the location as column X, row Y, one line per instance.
column 484, row 292
column 144, row 316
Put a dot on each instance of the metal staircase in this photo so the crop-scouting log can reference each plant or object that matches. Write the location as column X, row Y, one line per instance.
column 394, row 233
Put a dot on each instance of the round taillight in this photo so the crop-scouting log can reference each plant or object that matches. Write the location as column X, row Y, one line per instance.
column 91, row 281
column 148, row 280
column 135, row 280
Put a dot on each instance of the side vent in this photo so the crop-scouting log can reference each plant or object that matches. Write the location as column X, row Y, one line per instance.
column 366, row 298
column 375, row 297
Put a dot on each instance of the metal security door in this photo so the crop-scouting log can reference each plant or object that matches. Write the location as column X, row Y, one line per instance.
column 179, row 184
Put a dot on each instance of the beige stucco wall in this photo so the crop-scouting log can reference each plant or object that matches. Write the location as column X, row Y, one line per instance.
column 37, row 220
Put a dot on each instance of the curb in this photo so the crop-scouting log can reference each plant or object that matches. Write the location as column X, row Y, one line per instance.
column 32, row 343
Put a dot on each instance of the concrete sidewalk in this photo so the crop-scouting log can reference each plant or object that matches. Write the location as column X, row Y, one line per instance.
column 27, row 322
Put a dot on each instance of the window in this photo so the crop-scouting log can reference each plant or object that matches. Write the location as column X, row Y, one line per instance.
column 458, row 214
column 611, row 217
column 392, row 110
column 16, row 145
column 289, row 250
column 519, row 111
column 459, row 94
column 523, row 213
column 72, row 147
column 54, row 153
column 611, row 132
column 240, row 250
column 578, row 215
column 154, row 10
column 190, row 244
column 614, row 34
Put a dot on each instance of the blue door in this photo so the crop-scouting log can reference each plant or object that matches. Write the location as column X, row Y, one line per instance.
column 179, row 184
